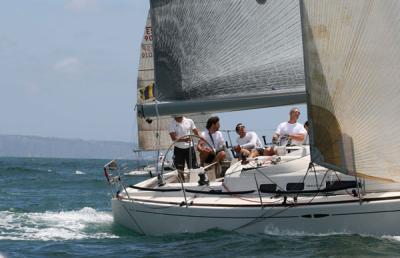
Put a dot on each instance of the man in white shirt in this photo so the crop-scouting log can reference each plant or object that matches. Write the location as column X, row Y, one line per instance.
column 248, row 143
column 183, row 150
column 290, row 132
column 215, row 149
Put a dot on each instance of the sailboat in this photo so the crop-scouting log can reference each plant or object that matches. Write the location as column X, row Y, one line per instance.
column 235, row 55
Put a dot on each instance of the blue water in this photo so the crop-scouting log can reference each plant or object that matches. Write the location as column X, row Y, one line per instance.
column 61, row 208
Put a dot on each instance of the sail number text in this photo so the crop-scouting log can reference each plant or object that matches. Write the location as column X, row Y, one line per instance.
column 148, row 34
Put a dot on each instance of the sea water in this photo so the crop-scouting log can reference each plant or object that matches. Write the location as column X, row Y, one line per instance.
column 61, row 208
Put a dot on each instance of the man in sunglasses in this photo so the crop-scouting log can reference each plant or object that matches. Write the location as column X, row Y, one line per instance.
column 248, row 143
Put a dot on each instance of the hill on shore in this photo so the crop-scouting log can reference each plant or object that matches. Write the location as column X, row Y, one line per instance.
column 49, row 147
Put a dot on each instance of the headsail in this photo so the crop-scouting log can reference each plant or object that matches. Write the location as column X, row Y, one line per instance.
column 153, row 133
column 149, row 130
column 226, row 55
column 352, row 53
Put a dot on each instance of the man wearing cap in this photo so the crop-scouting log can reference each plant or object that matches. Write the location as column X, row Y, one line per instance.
column 183, row 150
column 248, row 143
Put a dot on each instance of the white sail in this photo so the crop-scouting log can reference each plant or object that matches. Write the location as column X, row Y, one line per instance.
column 352, row 60
column 226, row 55
column 153, row 133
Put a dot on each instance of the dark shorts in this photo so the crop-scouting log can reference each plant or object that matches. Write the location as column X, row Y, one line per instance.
column 260, row 151
column 182, row 156
column 210, row 158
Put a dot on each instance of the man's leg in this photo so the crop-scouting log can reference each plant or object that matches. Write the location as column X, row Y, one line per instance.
column 191, row 159
column 204, row 157
column 244, row 152
column 254, row 153
column 179, row 161
column 220, row 156
column 269, row 151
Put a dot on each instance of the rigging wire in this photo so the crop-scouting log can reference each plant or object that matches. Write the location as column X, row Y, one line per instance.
column 293, row 204
column 290, row 205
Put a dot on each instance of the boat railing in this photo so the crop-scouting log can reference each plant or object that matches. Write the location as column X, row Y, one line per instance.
column 201, row 172
column 112, row 173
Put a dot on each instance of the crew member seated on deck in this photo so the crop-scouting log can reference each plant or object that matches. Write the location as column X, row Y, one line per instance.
column 288, row 133
column 215, row 149
column 248, row 143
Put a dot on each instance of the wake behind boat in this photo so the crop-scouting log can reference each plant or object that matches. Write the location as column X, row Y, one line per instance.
column 345, row 181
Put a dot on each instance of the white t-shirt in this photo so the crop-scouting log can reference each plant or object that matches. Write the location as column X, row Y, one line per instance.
column 181, row 129
column 217, row 141
column 287, row 128
column 249, row 141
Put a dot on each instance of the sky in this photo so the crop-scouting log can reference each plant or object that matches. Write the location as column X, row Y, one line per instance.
column 68, row 68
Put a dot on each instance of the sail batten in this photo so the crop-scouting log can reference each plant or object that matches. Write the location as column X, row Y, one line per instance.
column 226, row 49
column 352, row 53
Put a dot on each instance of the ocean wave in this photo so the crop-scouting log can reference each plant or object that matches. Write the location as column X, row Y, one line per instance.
column 78, row 172
column 25, row 170
column 394, row 238
column 271, row 230
column 86, row 223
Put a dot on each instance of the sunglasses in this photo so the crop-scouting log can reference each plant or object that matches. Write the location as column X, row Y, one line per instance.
column 239, row 127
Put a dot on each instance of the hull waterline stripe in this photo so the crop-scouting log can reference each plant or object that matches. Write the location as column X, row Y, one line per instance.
column 212, row 191
column 213, row 217
column 262, row 217
column 365, row 200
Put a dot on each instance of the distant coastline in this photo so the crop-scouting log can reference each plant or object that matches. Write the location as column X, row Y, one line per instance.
column 51, row 147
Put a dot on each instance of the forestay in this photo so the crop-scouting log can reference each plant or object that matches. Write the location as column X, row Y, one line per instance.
column 352, row 53
column 225, row 55
column 153, row 133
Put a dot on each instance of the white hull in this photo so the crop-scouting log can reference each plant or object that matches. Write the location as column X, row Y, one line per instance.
column 380, row 217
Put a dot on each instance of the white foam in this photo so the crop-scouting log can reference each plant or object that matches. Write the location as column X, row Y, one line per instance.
column 272, row 230
column 78, row 172
column 395, row 238
column 65, row 225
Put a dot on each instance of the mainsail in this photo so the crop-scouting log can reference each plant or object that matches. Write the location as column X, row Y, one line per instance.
column 352, row 53
column 153, row 133
column 225, row 55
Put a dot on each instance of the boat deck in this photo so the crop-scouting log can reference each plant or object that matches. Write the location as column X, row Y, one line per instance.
column 252, row 199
